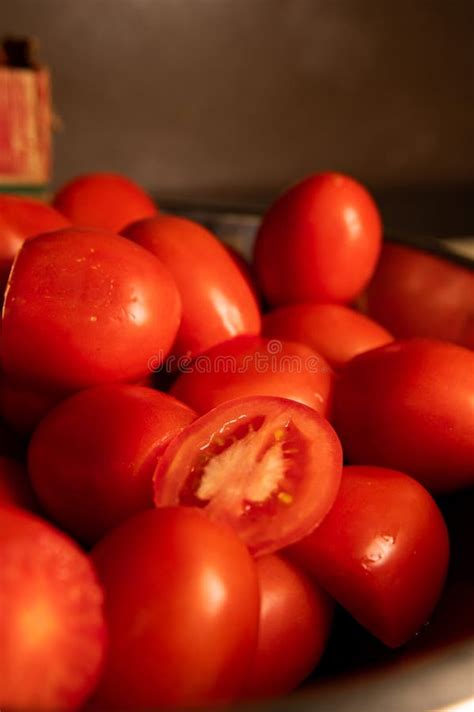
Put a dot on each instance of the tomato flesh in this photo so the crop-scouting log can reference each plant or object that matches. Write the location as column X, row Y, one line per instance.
column 267, row 466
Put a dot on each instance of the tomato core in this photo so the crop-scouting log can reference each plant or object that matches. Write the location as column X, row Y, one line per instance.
column 263, row 460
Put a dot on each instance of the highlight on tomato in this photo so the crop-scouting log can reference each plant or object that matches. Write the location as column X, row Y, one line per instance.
column 268, row 467
column 182, row 607
column 318, row 242
column 382, row 552
column 217, row 301
column 86, row 307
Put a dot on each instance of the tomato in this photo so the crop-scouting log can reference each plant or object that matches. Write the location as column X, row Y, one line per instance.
column 250, row 365
column 295, row 621
column 410, row 405
column 319, row 242
column 245, row 269
column 91, row 460
column 85, row 307
column 52, row 631
column 103, row 200
column 23, row 407
column 182, row 606
column 382, row 552
column 268, row 467
column 336, row 332
column 414, row 293
column 15, row 489
column 21, row 219
column 217, row 301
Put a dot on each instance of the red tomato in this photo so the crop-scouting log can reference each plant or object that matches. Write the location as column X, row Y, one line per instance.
column 15, row 489
column 20, row 219
column 319, row 242
column 104, row 200
column 182, row 610
column 382, row 552
column 269, row 467
column 295, row 621
column 85, row 307
column 52, row 630
column 250, row 365
column 22, row 407
column 245, row 269
column 336, row 332
column 410, row 406
column 111, row 438
column 217, row 301
column 414, row 293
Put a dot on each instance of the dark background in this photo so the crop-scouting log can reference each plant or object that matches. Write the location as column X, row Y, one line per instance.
column 227, row 101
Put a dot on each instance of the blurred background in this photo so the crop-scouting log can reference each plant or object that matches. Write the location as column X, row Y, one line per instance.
column 224, row 102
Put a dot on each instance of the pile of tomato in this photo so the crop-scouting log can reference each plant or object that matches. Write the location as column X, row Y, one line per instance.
column 200, row 457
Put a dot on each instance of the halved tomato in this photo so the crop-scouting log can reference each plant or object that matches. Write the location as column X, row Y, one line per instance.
column 269, row 467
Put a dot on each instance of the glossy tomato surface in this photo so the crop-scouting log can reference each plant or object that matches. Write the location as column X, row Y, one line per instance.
column 218, row 302
column 21, row 219
column 252, row 365
column 414, row 293
column 268, row 467
column 382, row 552
column 295, row 621
column 410, row 406
column 335, row 331
column 319, row 242
column 52, row 631
column 103, row 200
column 15, row 488
column 85, row 307
column 182, row 605
column 91, row 460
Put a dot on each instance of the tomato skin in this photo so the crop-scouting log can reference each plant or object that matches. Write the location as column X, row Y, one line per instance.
column 414, row 293
column 15, row 489
column 52, row 629
column 108, row 201
column 91, row 460
column 257, row 366
column 335, row 331
column 318, row 242
column 85, row 307
column 182, row 606
column 382, row 552
column 218, row 303
column 295, row 621
column 410, row 405
column 23, row 407
column 21, row 219
column 266, row 522
column 245, row 269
